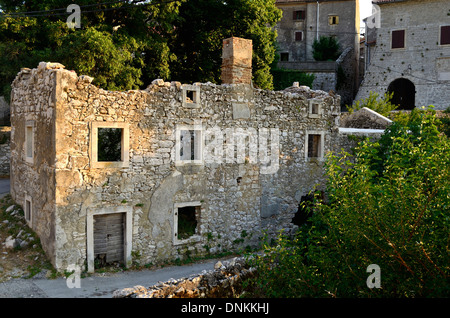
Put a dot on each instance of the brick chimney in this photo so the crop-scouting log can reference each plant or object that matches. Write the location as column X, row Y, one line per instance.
column 237, row 61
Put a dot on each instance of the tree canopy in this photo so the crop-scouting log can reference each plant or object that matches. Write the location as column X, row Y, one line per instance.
column 125, row 44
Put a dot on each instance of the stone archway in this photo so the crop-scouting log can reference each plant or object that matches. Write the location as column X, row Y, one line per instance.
column 404, row 93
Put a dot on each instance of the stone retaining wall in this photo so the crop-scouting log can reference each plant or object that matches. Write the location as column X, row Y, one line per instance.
column 222, row 282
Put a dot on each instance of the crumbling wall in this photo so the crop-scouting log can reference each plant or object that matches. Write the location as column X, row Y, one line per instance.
column 364, row 118
column 239, row 194
column 33, row 105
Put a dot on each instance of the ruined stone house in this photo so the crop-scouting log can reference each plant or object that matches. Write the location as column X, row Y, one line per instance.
column 408, row 53
column 171, row 171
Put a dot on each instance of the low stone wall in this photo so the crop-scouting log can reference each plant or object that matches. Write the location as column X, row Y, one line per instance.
column 223, row 282
column 5, row 151
column 364, row 118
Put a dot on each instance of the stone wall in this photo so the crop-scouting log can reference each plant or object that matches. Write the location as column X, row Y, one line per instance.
column 33, row 103
column 364, row 118
column 238, row 194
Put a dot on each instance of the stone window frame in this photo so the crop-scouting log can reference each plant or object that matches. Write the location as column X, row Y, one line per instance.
column 29, row 143
column 299, row 15
column 311, row 104
column 321, row 156
column 404, row 40
column 125, row 145
column 440, row 35
column 333, row 19
column 128, row 233
column 194, row 238
column 200, row 142
column 195, row 90
column 28, row 220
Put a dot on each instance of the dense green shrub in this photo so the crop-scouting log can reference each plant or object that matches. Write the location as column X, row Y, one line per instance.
column 381, row 105
column 283, row 78
column 388, row 205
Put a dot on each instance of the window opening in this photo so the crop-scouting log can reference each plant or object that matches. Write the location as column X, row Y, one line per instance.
column 333, row 20
column 299, row 15
column 187, row 221
column 190, row 145
column 314, row 146
column 109, row 145
column 28, row 210
column 29, row 146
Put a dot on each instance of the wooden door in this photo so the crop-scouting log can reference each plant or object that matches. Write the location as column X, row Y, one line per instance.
column 109, row 238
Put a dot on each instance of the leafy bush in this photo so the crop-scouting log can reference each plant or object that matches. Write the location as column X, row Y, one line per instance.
column 388, row 205
column 283, row 78
column 381, row 105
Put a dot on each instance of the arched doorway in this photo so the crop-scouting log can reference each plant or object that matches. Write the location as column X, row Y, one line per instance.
column 404, row 93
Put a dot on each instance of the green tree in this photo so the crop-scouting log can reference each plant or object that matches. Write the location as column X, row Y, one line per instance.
column 381, row 105
column 122, row 44
column 204, row 24
column 388, row 205
column 127, row 44
column 326, row 48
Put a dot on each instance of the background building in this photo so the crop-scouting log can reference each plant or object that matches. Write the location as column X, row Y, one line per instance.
column 305, row 21
column 409, row 54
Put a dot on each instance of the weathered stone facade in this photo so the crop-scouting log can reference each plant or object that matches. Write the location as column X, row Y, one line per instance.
column 408, row 53
column 234, row 158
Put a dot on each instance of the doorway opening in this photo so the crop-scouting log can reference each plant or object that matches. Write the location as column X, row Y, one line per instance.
column 404, row 93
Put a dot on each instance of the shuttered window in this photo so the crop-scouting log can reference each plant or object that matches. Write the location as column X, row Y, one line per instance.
column 398, row 39
column 445, row 35
column 299, row 15
column 299, row 36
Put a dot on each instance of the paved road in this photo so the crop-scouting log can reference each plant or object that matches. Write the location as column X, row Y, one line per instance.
column 97, row 286
column 4, row 186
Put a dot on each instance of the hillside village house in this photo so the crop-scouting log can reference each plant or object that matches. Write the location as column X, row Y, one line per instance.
column 408, row 53
column 168, row 172
column 305, row 21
